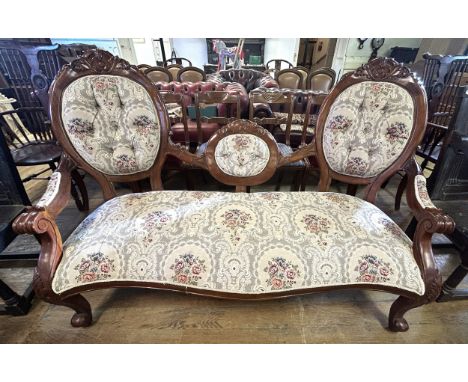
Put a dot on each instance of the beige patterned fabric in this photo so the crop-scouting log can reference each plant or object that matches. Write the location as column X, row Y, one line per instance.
column 239, row 243
column 421, row 192
column 242, row 155
column 112, row 123
column 51, row 191
column 368, row 127
column 297, row 123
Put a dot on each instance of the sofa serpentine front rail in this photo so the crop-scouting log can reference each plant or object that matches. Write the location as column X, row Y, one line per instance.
column 111, row 122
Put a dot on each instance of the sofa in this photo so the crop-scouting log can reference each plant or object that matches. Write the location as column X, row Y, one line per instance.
column 235, row 245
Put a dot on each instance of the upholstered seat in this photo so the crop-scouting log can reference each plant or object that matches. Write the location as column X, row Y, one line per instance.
column 239, row 243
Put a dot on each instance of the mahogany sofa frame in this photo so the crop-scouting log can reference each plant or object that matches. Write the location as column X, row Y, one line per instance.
column 41, row 220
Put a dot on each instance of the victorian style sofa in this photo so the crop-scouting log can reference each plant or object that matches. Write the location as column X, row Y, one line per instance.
column 111, row 123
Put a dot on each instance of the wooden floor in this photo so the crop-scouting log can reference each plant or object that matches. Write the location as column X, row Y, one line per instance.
column 148, row 316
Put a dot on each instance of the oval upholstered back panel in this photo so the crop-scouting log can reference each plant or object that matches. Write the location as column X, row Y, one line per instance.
column 242, row 155
column 367, row 128
column 112, row 123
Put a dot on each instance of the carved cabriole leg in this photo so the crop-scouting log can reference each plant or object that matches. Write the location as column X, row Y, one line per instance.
column 41, row 224
column 428, row 224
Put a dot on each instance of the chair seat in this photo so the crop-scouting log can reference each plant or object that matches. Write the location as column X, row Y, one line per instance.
column 238, row 243
column 36, row 153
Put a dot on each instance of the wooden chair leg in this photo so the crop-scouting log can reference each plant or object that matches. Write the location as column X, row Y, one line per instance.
column 352, row 189
column 81, row 198
column 83, row 316
column 297, row 183
column 400, row 191
column 396, row 322
column 280, row 179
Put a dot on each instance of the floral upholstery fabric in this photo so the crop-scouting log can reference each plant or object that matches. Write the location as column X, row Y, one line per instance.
column 112, row 123
column 367, row 128
column 242, row 155
column 297, row 122
column 51, row 191
column 239, row 243
column 421, row 192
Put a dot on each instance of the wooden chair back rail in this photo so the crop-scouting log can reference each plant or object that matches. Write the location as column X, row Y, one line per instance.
column 289, row 71
column 157, row 69
column 184, row 71
column 324, row 71
column 211, row 98
column 271, row 98
column 28, row 116
column 169, row 97
column 177, row 61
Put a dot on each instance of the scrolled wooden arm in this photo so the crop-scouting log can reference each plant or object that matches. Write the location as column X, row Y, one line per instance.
column 430, row 220
column 301, row 153
column 39, row 220
column 180, row 152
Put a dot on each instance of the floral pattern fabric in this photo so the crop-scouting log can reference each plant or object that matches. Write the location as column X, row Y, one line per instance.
column 112, row 123
column 421, row 192
column 242, row 155
column 367, row 128
column 238, row 242
column 51, row 190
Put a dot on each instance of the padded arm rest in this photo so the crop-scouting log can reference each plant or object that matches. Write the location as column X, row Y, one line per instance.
column 420, row 203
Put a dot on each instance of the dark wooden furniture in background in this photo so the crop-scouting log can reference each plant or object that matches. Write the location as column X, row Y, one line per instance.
column 448, row 188
column 32, row 144
column 13, row 201
column 442, row 78
column 274, row 66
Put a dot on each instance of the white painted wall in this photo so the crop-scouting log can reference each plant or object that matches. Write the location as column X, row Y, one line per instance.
column 194, row 49
column 284, row 48
column 355, row 57
column 144, row 51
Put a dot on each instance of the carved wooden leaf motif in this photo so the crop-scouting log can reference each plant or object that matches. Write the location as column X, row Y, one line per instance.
column 383, row 68
column 99, row 61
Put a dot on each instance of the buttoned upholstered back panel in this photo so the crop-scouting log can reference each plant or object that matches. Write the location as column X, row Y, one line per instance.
column 367, row 128
column 112, row 123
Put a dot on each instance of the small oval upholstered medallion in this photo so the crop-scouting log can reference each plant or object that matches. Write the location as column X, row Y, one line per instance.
column 242, row 155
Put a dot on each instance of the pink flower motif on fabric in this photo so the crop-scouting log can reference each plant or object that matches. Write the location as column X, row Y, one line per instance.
column 126, row 164
column 356, row 166
column 397, row 132
column 144, row 125
column 188, row 269
column 282, row 274
column 339, row 122
column 373, row 270
column 95, row 267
